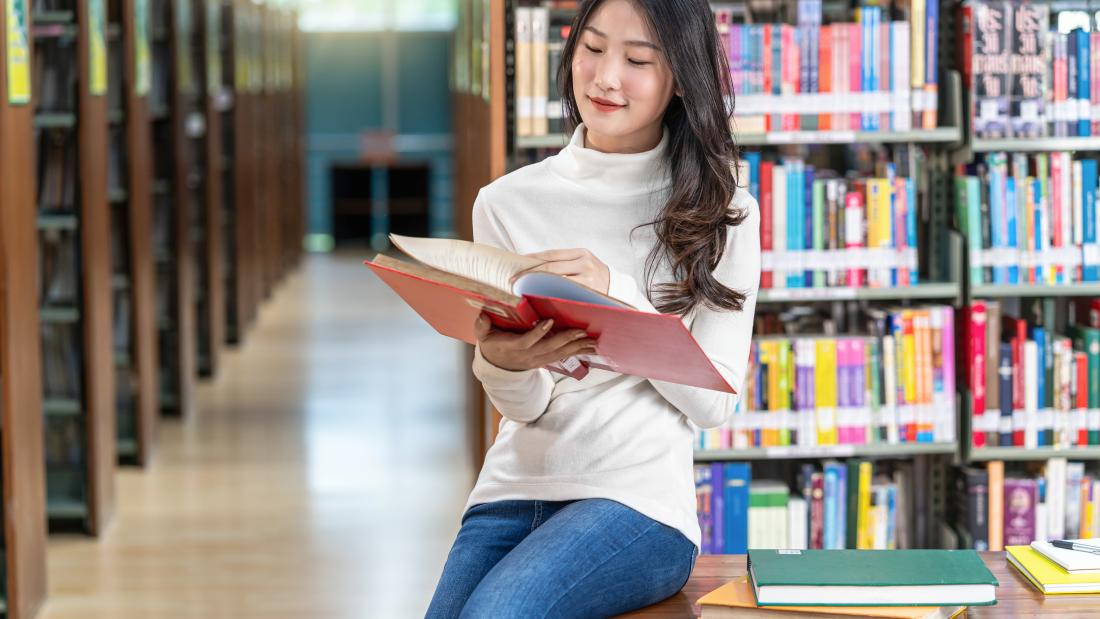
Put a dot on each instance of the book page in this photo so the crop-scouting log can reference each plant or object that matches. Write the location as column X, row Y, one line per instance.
column 543, row 284
column 484, row 263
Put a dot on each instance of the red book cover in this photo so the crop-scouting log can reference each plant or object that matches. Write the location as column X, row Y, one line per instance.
column 1081, row 368
column 825, row 74
column 767, row 69
column 1016, row 330
column 1057, row 170
column 817, row 511
column 789, row 56
column 657, row 346
column 854, row 70
column 766, row 207
column 909, row 336
column 976, row 376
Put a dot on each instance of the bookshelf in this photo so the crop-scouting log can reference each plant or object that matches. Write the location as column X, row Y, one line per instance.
column 131, row 201
column 228, row 105
column 205, row 180
column 22, row 462
column 173, row 97
column 70, row 74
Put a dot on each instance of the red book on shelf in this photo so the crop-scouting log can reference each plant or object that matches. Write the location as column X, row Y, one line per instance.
column 853, row 232
column 1016, row 330
column 825, row 74
column 817, row 510
column 454, row 281
column 975, row 357
column 1081, row 366
column 766, row 206
column 767, row 68
column 855, row 64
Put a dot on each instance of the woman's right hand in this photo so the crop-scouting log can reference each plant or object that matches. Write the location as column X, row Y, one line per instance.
column 534, row 349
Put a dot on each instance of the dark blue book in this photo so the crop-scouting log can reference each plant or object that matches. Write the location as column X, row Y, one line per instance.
column 735, row 495
column 1004, row 391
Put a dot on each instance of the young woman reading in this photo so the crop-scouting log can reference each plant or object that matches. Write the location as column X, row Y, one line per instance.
column 585, row 505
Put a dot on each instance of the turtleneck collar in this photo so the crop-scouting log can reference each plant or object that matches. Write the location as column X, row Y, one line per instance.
column 619, row 173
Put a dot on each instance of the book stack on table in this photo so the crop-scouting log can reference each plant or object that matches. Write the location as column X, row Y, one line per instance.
column 866, row 583
column 1055, row 570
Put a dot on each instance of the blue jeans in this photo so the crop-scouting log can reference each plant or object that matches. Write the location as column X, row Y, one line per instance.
column 532, row 559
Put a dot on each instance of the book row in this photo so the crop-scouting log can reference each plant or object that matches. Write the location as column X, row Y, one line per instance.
column 834, row 505
column 539, row 42
column 820, row 229
column 1027, row 79
column 996, row 509
column 897, row 386
column 1030, row 219
column 876, row 73
column 1029, row 384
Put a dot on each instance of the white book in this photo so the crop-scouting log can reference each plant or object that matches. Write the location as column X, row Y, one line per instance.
column 890, row 387
column 797, row 524
column 1042, row 519
column 1078, row 214
column 902, row 103
column 524, row 80
column 1074, row 472
column 1031, row 393
column 779, row 224
column 1072, row 561
column 540, row 69
column 1056, row 498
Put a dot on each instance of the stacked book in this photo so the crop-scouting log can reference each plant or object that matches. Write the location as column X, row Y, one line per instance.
column 837, row 505
column 822, row 583
column 819, row 228
column 1027, row 79
column 875, row 73
column 1030, row 219
column 1030, row 385
column 540, row 36
column 1061, row 500
column 896, row 386
column 1071, row 566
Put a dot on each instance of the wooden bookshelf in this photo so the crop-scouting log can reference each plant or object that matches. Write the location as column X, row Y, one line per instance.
column 23, row 535
column 131, row 198
column 174, row 84
column 75, row 281
column 479, row 157
column 205, row 45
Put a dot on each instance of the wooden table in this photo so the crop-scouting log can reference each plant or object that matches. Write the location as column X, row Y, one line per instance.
column 1015, row 595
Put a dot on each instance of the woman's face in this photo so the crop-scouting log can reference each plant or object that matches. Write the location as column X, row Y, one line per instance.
column 621, row 80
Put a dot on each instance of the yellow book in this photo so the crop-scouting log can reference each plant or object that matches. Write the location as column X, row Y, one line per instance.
column 1088, row 507
column 878, row 225
column 825, row 391
column 735, row 599
column 865, row 525
column 1047, row 576
column 769, row 355
column 786, row 368
column 909, row 357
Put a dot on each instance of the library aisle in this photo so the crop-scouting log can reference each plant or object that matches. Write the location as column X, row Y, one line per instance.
column 318, row 478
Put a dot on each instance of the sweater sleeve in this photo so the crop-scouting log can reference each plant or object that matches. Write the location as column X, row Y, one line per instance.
column 724, row 336
column 520, row 396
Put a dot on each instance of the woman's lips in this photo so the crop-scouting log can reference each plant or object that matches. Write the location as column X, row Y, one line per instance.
column 605, row 106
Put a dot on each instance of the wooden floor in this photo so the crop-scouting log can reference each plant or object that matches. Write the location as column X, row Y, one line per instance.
column 323, row 475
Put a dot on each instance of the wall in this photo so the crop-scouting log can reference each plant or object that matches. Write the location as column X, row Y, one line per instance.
column 377, row 80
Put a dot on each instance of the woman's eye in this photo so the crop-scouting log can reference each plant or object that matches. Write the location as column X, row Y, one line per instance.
column 592, row 49
column 638, row 62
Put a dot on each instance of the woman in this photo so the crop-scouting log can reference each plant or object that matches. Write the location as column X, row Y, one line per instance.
column 586, row 503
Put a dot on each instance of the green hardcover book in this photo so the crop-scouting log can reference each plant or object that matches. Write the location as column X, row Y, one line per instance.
column 819, row 227
column 1087, row 339
column 871, row 578
column 851, row 537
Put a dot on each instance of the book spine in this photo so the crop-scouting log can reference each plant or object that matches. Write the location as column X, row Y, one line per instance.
column 918, row 41
column 738, row 475
column 1020, row 498
column 853, row 233
column 766, row 232
column 976, row 354
column 825, row 76
column 855, row 70
column 864, row 523
column 817, row 512
column 1084, row 111
column 991, row 24
column 930, row 114
column 1028, row 68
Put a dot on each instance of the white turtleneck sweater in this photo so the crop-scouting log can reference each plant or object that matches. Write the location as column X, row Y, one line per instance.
column 612, row 436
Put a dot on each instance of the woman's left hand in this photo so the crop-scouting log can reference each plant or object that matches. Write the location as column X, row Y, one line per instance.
column 579, row 265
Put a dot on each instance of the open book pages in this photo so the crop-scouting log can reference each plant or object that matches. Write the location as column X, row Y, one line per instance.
column 484, row 263
column 496, row 267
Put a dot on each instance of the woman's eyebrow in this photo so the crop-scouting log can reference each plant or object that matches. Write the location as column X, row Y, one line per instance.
column 635, row 43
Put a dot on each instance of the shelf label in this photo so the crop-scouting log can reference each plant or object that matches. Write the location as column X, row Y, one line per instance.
column 97, row 47
column 142, row 66
column 826, row 451
column 18, row 53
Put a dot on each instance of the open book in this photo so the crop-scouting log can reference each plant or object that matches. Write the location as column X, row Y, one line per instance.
column 451, row 282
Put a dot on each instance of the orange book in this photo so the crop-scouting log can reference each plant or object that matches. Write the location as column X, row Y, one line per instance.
column 996, row 471
column 736, row 600
column 825, row 74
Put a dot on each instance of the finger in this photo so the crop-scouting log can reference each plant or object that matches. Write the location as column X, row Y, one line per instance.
column 562, row 267
column 532, row 337
column 569, row 350
column 482, row 326
column 557, row 340
column 559, row 254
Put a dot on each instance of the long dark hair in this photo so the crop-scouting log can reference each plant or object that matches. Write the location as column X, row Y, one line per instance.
column 691, row 227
